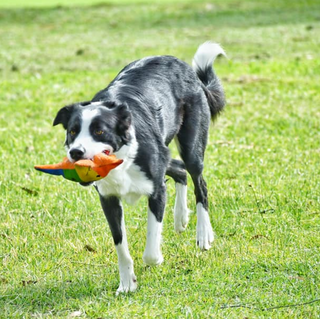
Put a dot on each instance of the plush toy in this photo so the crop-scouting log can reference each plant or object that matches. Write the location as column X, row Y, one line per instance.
column 84, row 170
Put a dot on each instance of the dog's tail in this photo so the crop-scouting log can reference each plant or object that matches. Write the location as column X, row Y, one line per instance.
column 202, row 65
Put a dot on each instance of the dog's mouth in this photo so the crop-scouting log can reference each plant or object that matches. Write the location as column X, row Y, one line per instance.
column 85, row 184
column 107, row 152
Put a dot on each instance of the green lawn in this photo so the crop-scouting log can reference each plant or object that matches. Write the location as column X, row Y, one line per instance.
column 57, row 258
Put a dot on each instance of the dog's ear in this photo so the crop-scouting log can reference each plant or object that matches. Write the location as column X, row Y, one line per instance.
column 63, row 116
column 124, row 121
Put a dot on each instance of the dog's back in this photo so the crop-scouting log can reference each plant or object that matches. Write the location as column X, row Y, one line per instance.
column 161, row 90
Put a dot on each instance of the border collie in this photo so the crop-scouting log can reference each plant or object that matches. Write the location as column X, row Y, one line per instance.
column 151, row 102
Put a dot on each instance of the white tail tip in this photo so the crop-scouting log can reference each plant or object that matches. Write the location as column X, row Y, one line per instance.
column 206, row 54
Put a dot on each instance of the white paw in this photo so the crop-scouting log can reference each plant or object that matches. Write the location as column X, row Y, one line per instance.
column 152, row 259
column 205, row 235
column 152, row 254
column 181, row 211
column 181, row 219
column 127, row 284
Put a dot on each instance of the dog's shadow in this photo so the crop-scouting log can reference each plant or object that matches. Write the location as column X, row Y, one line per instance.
column 36, row 297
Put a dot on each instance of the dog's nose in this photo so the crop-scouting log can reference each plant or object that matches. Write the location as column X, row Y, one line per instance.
column 76, row 153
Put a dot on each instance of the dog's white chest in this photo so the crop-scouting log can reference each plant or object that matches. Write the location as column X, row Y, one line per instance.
column 128, row 183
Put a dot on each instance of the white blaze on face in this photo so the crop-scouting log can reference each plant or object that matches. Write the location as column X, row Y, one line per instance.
column 85, row 140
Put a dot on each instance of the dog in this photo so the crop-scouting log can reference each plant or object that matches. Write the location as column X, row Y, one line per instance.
column 151, row 102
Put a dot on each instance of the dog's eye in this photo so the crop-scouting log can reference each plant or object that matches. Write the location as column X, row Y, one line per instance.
column 72, row 133
column 98, row 132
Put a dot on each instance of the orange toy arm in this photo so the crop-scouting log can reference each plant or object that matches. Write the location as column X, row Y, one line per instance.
column 65, row 164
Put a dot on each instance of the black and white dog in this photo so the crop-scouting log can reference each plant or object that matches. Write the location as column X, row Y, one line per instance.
column 151, row 102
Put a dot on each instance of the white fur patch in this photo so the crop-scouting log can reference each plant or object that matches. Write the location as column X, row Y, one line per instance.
column 138, row 64
column 206, row 54
column 128, row 281
column 84, row 139
column 205, row 235
column 181, row 211
column 127, row 180
column 152, row 254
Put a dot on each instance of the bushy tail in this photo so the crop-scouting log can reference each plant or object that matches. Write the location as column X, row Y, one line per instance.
column 202, row 65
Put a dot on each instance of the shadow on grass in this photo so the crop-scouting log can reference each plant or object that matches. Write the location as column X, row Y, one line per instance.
column 36, row 297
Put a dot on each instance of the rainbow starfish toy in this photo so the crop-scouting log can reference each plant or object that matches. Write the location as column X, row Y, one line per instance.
column 84, row 170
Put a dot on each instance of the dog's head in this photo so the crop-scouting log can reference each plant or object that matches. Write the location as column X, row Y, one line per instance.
column 94, row 127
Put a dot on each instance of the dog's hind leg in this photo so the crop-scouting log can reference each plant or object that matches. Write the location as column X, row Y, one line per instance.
column 192, row 140
column 157, row 202
column 113, row 210
column 176, row 170
column 205, row 234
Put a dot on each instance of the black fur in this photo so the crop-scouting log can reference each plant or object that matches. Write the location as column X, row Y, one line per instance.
column 113, row 212
column 113, row 119
column 160, row 97
column 177, row 170
column 64, row 115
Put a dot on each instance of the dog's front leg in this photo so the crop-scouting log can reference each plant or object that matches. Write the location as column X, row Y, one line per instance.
column 157, row 202
column 113, row 210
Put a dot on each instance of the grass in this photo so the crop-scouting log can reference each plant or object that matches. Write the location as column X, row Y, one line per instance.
column 57, row 258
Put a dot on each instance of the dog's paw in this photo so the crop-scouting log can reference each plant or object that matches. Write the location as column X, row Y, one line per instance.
column 128, row 284
column 205, row 235
column 181, row 211
column 152, row 258
column 181, row 219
